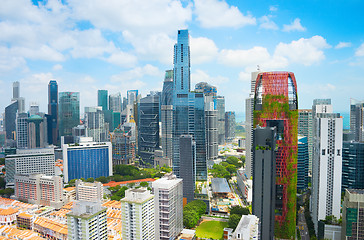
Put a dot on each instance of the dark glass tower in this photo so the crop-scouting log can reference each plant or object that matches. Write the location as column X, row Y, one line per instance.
column 53, row 112
column 69, row 112
column 167, row 114
column 102, row 99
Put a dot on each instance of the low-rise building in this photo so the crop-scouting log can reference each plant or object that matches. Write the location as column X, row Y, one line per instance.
column 245, row 185
column 8, row 216
column 86, row 191
column 24, row 221
column 247, row 228
column 50, row 229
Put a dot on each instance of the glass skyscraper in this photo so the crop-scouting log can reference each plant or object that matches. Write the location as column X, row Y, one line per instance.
column 69, row 112
column 53, row 112
column 102, row 96
column 353, row 165
column 188, row 107
column 167, row 114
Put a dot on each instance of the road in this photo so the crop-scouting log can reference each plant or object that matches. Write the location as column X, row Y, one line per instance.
column 302, row 226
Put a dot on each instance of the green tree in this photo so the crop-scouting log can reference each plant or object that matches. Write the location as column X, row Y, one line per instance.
column 7, row 192
column 102, row 179
column 190, row 218
column 119, row 194
column 234, row 221
column 2, row 183
column 233, row 160
column 91, row 180
column 231, row 168
column 238, row 210
column 2, row 161
column 144, row 184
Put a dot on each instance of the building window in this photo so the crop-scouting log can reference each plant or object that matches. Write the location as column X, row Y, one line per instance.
column 323, row 151
column 338, row 152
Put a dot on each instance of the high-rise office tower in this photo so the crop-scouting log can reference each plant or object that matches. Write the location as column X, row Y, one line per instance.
column 87, row 220
column 123, row 144
column 276, row 106
column 137, row 209
column 327, row 163
column 167, row 115
column 210, row 93
column 102, row 99
column 220, row 107
column 22, row 130
column 86, row 160
column 188, row 108
column 69, row 112
column 37, row 132
column 95, row 124
column 229, row 126
column 148, row 128
column 33, row 109
column 132, row 96
column 53, row 112
column 16, row 90
column 187, row 156
column 353, row 165
column 10, row 120
column 305, row 129
column 29, row 161
column 168, row 207
column 264, row 179
column 249, row 107
column 302, row 163
column 115, row 102
column 357, row 119
column 353, row 215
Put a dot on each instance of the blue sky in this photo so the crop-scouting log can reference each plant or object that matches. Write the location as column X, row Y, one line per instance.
column 127, row 44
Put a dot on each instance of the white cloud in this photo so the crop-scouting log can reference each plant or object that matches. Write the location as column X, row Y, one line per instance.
column 201, row 76
column 245, row 76
column 122, row 59
column 136, row 73
column 360, row 51
column 343, row 45
column 216, row 13
column 294, row 26
column 303, row 51
column 202, row 50
column 273, row 8
column 243, row 58
column 267, row 23
column 57, row 67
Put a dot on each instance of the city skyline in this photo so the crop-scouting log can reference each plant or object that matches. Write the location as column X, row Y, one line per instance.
column 99, row 46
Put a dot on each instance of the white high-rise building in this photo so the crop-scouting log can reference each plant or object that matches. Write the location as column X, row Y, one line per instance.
column 115, row 102
column 137, row 208
column 86, row 191
column 168, row 207
column 87, row 220
column 327, row 163
column 29, row 161
column 249, row 120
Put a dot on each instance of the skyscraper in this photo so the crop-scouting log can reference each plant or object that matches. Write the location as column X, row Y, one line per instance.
column 95, row 123
column 37, row 132
column 220, row 107
column 305, row 129
column 16, row 90
column 327, row 163
column 264, row 179
column 22, row 130
column 132, row 96
column 167, row 115
column 229, row 126
column 188, row 107
column 353, row 165
column 148, row 128
column 33, row 109
column 187, row 156
column 115, row 102
column 10, row 120
column 353, row 215
column 53, row 112
column 69, row 112
column 357, row 119
column 275, row 105
column 102, row 99
column 302, row 163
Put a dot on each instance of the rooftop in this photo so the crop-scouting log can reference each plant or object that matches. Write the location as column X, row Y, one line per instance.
column 220, row 185
column 114, row 184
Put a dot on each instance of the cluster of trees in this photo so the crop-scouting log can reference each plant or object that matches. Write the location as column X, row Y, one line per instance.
column 227, row 168
column 192, row 213
column 309, row 222
column 7, row 192
column 235, row 215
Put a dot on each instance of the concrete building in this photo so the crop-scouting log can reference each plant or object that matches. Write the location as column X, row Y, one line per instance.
column 247, row 229
column 123, row 144
column 22, row 130
column 168, row 207
column 327, row 164
column 86, row 160
column 305, row 129
column 29, row 161
column 220, row 107
column 95, row 124
column 245, row 184
column 167, row 115
column 357, row 119
column 37, row 131
column 137, row 208
column 115, row 102
column 40, row 189
column 266, row 199
column 87, row 220
column 91, row 192
column 353, row 215
column 188, row 164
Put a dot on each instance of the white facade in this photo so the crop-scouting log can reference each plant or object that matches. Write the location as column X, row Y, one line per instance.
column 29, row 161
column 86, row 191
column 137, row 218
column 245, row 185
column 168, row 207
column 87, row 220
column 248, row 228
column 327, row 167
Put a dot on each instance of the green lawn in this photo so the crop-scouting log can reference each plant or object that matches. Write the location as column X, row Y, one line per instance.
column 211, row 229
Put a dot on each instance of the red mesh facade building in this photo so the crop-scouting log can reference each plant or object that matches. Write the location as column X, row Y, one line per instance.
column 275, row 105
